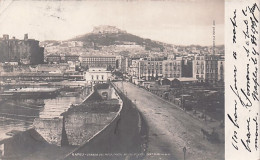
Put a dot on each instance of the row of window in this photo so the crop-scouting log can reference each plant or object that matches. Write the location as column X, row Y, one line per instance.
column 176, row 71
column 172, row 75
column 97, row 77
column 150, row 68
column 148, row 72
column 172, row 64
column 99, row 59
column 206, row 58
column 207, row 71
column 150, row 64
column 173, row 69
column 94, row 62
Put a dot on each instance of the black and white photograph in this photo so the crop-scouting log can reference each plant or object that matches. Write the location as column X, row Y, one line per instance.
column 117, row 80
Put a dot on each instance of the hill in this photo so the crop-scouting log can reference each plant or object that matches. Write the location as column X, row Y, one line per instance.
column 105, row 36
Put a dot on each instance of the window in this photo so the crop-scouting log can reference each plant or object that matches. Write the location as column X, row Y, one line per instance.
column 92, row 77
column 97, row 77
column 102, row 77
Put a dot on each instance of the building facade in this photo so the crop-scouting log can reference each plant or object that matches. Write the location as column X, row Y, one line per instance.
column 133, row 68
column 108, row 62
column 172, row 68
column 25, row 51
column 53, row 59
column 72, row 58
column 97, row 75
column 150, row 68
column 221, row 70
column 205, row 68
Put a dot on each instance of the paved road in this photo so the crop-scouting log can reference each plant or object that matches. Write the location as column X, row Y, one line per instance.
column 171, row 129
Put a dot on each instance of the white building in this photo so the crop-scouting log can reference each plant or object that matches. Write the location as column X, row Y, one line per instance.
column 97, row 75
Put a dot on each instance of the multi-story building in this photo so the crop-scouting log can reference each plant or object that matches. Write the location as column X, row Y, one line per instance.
column 172, row 68
column 205, row 68
column 125, row 64
column 25, row 51
column 122, row 63
column 211, row 68
column 73, row 58
column 199, row 68
column 150, row 68
column 133, row 68
column 53, row 59
column 119, row 60
column 108, row 62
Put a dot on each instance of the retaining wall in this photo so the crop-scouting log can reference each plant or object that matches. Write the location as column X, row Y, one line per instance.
column 50, row 129
column 81, row 126
column 78, row 127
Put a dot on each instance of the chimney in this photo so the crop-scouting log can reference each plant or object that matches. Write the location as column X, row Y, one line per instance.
column 26, row 36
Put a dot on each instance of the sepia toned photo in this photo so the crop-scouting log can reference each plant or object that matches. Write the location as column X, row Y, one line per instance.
column 112, row 80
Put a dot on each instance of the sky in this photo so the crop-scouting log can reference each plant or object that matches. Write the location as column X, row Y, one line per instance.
column 174, row 21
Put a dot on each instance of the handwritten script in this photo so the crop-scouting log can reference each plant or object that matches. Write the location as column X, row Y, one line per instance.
column 243, row 114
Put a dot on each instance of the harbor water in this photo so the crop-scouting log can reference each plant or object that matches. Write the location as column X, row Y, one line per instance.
column 18, row 114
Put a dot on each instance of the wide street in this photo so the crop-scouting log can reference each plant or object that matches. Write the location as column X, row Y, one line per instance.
column 170, row 129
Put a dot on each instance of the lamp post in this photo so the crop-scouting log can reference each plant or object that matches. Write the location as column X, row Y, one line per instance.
column 184, row 152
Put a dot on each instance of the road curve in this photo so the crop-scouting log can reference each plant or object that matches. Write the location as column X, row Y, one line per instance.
column 171, row 129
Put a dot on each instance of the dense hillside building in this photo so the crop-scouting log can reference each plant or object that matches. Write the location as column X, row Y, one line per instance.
column 25, row 51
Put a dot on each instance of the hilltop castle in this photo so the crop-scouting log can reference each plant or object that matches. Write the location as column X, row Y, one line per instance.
column 106, row 29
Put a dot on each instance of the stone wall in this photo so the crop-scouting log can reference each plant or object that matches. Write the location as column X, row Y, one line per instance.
column 50, row 129
column 82, row 126
column 75, row 128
